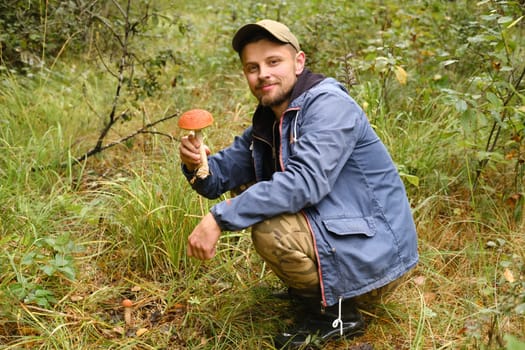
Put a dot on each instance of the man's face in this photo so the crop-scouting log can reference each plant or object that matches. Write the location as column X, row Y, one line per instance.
column 271, row 70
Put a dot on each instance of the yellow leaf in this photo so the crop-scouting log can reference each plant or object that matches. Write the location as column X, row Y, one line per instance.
column 401, row 75
column 141, row 331
column 75, row 298
column 509, row 276
column 521, row 109
column 119, row 330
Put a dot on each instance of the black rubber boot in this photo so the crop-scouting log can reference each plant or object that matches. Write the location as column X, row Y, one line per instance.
column 318, row 326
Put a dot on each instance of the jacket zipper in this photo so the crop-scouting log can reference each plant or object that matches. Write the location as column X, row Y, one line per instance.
column 276, row 166
column 320, row 272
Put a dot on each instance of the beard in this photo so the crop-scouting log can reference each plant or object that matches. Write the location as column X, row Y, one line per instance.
column 276, row 99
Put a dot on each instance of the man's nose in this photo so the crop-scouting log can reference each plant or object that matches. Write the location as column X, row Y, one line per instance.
column 264, row 71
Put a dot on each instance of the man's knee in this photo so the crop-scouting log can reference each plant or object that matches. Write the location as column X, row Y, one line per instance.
column 285, row 243
column 285, row 233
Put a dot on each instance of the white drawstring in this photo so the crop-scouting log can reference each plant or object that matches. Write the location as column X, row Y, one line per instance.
column 294, row 132
column 339, row 321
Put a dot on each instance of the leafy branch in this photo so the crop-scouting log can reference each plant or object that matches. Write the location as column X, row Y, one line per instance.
column 496, row 128
column 125, row 64
column 99, row 147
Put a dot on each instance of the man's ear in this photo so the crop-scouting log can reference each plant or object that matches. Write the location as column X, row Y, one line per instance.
column 300, row 60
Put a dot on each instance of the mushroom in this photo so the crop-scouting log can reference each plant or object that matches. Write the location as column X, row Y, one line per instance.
column 127, row 304
column 195, row 120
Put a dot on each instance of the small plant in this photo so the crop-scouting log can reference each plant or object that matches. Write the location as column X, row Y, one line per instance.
column 495, row 94
column 509, row 304
column 50, row 259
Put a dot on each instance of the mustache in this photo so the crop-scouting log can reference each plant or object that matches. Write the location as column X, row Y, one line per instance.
column 263, row 83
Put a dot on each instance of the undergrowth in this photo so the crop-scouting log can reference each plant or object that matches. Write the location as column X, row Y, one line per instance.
column 442, row 84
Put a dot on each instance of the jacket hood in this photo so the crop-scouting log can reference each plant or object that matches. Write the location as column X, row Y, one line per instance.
column 305, row 81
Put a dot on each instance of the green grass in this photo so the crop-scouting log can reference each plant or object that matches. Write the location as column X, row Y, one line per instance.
column 80, row 237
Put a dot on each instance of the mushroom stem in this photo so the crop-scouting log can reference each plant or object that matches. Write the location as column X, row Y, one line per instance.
column 127, row 316
column 203, row 170
column 195, row 120
column 127, row 312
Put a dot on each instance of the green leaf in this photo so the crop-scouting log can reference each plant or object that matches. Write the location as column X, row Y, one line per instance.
column 60, row 260
column 18, row 290
column 513, row 343
column 490, row 17
column 48, row 269
column 381, row 64
column 69, row 272
column 429, row 312
column 42, row 297
column 461, row 106
column 28, row 258
column 105, row 21
column 492, row 156
column 477, row 39
column 412, row 179
column 63, row 239
column 505, row 19
column 494, row 100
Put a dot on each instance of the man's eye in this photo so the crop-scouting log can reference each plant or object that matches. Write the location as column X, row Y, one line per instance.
column 251, row 69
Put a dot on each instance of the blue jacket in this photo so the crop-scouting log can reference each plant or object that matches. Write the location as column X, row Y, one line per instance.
column 330, row 166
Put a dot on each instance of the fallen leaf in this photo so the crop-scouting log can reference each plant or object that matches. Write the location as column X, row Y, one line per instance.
column 179, row 307
column 119, row 330
column 509, row 276
column 27, row 331
column 511, row 155
column 513, row 200
column 429, row 297
column 419, row 280
column 141, row 331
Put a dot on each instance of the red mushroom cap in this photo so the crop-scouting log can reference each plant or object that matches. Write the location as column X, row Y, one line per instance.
column 195, row 119
column 127, row 303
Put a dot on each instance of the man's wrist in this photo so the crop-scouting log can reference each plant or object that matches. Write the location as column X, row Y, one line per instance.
column 188, row 169
column 216, row 216
column 191, row 175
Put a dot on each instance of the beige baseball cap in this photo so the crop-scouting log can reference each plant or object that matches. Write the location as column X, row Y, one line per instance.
column 278, row 30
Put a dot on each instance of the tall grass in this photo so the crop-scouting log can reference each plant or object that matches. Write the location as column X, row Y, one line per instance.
column 80, row 237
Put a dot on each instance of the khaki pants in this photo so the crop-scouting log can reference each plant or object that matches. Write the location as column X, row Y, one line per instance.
column 285, row 244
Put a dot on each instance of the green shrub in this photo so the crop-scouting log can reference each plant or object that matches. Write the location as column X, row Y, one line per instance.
column 35, row 31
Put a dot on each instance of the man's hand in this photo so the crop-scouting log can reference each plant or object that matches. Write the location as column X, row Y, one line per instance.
column 189, row 152
column 202, row 242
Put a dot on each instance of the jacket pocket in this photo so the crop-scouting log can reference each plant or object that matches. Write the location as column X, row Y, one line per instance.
column 351, row 226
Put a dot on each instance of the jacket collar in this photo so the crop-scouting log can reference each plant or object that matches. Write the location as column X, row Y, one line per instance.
column 305, row 81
